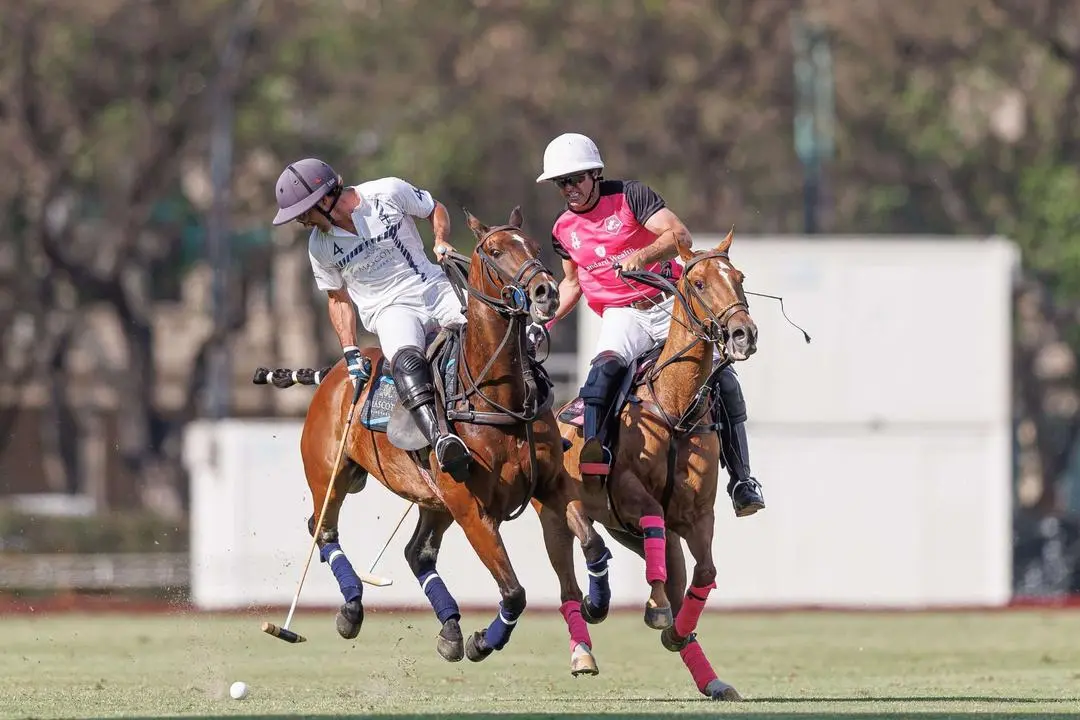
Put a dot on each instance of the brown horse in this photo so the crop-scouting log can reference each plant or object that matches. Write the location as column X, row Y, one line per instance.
column 667, row 452
column 503, row 415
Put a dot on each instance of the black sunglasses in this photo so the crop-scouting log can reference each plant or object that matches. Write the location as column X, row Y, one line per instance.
column 569, row 180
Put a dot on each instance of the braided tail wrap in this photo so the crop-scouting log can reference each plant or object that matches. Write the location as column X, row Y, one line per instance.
column 286, row 378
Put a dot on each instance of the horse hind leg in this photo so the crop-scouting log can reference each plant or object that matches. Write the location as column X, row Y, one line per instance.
column 350, row 615
column 675, row 586
column 422, row 554
column 559, row 542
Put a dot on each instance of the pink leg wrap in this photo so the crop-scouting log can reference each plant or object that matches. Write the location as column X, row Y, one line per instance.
column 655, row 547
column 690, row 612
column 579, row 631
column 700, row 669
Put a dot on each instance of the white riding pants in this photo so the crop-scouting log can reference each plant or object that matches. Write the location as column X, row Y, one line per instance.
column 398, row 326
column 629, row 332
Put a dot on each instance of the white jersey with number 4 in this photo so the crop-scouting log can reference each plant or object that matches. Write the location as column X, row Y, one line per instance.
column 386, row 264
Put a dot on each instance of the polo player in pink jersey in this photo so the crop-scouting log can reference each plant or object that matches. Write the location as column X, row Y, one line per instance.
column 627, row 222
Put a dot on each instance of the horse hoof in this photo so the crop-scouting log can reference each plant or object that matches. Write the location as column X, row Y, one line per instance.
column 717, row 689
column 592, row 615
column 450, row 644
column 658, row 618
column 475, row 647
column 582, row 661
column 349, row 619
column 671, row 641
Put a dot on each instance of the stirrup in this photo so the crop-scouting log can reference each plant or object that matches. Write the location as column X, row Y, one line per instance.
column 595, row 458
column 458, row 451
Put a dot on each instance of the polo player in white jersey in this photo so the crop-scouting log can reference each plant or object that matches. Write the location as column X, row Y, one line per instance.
column 367, row 255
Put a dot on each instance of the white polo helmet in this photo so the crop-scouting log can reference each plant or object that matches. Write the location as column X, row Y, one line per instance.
column 568, row 154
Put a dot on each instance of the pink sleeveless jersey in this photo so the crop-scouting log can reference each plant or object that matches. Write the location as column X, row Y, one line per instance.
column 611, row 232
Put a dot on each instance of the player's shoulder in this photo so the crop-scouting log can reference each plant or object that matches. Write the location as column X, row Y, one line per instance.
column 319, row 244
column 624, row 187
column 613, row 187
column 381, row 186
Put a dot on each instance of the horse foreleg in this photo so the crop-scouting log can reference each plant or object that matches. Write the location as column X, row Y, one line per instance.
column 351, row 614
column 559, row 542
column 482, row 532
column 637, row 506
column 422, row 554
column 681, row 636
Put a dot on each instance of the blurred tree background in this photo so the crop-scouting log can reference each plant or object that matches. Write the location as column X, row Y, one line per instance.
column 123, row 282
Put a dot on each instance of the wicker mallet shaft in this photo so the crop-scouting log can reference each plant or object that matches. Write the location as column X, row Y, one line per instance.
column 283, row 632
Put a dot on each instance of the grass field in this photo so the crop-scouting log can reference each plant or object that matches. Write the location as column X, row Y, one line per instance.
column 807, row 665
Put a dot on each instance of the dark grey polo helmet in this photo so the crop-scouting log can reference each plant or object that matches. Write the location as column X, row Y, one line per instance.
column 300, row 186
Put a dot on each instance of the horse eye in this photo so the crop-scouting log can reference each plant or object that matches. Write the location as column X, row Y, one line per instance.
column 496, row 253
column 699, row 284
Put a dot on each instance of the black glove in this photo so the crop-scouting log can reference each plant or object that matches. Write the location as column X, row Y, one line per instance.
column 354, row 363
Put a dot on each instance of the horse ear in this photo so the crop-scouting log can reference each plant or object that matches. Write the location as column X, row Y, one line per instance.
column 478, row 228
column 725, row 244
column 686, row 252
column 516, row 219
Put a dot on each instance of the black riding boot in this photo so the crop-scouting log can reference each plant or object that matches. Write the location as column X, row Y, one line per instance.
column 744, row 489
column 412, row 377
column 598, row 393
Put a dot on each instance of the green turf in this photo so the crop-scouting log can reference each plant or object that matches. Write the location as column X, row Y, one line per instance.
column 1018, row 664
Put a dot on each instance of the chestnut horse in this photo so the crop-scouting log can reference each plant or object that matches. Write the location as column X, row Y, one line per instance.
column 667, row 451
column 503, row 417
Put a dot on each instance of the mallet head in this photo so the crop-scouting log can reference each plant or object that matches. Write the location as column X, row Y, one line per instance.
column 282, row 633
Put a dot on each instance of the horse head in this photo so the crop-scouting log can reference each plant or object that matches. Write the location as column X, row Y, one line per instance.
column 506, row 267
column 713, row 288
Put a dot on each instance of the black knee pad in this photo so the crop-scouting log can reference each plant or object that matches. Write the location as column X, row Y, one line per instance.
column 734, row 406
column 412, row 377
column 604, row 378
column 409, row 360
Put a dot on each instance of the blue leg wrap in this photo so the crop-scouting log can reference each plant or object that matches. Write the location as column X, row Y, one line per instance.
column 442, row 602
column 599, row 584
column 498, row 632
column 343, row 571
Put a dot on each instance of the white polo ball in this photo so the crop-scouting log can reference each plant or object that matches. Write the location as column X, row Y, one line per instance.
column 238, row 690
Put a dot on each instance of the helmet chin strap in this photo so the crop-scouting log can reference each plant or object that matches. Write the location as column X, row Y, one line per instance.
column 326, row 213
column 593, row 194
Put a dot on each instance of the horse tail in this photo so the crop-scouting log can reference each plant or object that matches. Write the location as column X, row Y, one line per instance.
column 285, row 378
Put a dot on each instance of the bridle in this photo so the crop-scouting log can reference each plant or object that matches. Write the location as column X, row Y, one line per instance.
column 514, row 299
column 512, row 303
column 711, row 329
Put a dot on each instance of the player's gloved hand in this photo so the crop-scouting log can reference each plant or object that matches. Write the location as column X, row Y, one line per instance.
column 354, row 363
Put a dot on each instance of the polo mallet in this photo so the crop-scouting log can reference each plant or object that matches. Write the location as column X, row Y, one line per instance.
column 375, row 579
column 284, row 632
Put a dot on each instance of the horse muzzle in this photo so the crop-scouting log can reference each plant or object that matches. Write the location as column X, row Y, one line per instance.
column 543, row 300
column 741, row 341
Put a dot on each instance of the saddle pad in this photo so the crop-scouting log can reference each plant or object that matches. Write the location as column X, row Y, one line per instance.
column 573, row 413
column 379, row 404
